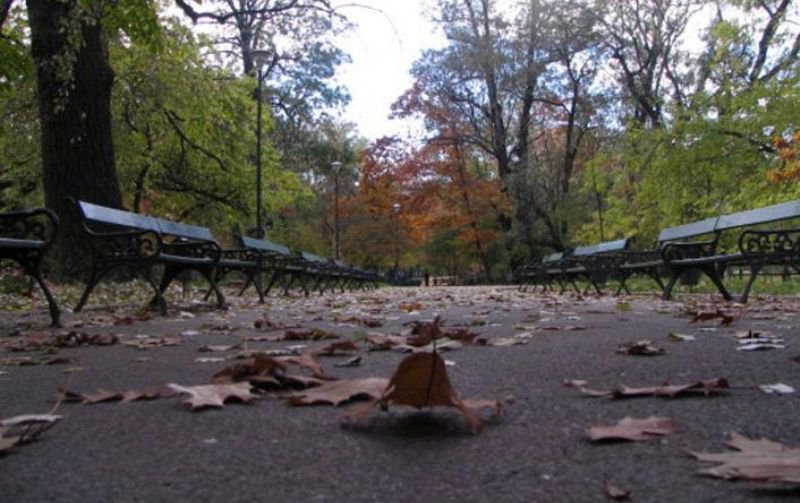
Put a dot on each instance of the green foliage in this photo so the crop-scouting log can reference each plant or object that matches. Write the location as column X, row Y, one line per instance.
column 184, row 135
column 138, row 19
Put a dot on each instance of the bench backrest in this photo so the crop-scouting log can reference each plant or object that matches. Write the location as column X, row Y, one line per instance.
column 769, row 214
column 121, row 218
column 264, row 245
column 315, row 259
column 553, row 257
column 113, row 216
column 689, row 230
column 185, row 231
column 604, row 247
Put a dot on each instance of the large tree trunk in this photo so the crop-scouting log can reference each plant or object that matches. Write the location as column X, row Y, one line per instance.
column 75, row 115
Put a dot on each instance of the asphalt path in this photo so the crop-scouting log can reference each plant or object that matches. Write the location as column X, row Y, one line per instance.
column 538, row 450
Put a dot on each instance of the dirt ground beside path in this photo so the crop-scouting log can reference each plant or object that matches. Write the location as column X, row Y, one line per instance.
column 265, row 450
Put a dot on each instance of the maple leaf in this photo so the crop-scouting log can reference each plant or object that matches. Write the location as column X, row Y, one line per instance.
column 705, row 387
column 339, row 392
column 214, row 395
column 307, row 361
column 259, row 368
column 633, row 429
column 101, row 395
column 421, row 380
column 755, row 460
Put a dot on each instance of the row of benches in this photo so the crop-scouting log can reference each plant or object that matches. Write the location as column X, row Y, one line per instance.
column 680, row 253
column 143, row 244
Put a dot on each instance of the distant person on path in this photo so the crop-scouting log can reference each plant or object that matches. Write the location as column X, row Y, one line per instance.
column 427, row 278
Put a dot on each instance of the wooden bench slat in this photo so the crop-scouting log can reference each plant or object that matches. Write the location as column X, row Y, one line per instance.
column 769, row 214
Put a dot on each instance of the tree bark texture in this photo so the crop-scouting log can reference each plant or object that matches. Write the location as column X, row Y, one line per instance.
column 75, row 115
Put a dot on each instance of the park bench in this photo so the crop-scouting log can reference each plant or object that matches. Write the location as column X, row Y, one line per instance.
column 757, row 248
column 651, row 263
column 595, row 264
column 278, row 260
column 25, row 237
column 542, row 273
column 139, row 243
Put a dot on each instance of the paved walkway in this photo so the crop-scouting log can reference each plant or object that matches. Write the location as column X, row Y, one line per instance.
column 160, row 450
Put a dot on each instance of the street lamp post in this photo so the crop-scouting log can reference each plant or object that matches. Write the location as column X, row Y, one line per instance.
column 260, row 57
column 336, row 166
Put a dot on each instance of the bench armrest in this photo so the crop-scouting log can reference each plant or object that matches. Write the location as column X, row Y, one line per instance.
column 123, row 244
column 695, row 249
column 242, row 254
column 38, row 224
column 771, row 243
column 194, row 249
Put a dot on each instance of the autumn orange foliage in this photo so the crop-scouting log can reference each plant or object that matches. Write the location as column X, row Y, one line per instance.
column 789, row 152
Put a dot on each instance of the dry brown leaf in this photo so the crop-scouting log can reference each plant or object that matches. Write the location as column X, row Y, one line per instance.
column 259, row 366
column 725, row 319
column 633, row 429
column 102, row 396
column 380, row 342
column 334, row 348
column 339, row 392
column 214, row 395
column 23, row 361
column 755, row 460
column 640, row 348
column 616, row 493
column 705, row 387
column 7, row 442
column 24, row 428
column 306, row 361
column 421, row 380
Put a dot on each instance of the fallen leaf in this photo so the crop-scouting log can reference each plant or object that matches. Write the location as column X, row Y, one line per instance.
column 305, row 360
column 214, row 395
column 705, row 388
column 725, row 319
column 777, row 389
column 760, row 346
column 339, row 392
column 421, row 380
column 756, row 460
column 633, row 429
column 616, row 493
column 506, row 341
column 334, row 348
column 640, row 348
column 410, row 307
column 676, row 337
column 218, row 348
column 153, row 341
column 350, row 362
column 23, row 361
column 24, row 428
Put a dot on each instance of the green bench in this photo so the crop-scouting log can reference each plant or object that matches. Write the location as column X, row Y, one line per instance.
column 140, row 243
column 757, row 248
column 25, row 237
column 595, row 264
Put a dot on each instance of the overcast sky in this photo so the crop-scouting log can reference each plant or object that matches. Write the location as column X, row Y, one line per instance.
column 383, row 46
